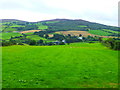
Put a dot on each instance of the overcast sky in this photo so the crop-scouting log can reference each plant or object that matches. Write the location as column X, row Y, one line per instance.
column 100, row 11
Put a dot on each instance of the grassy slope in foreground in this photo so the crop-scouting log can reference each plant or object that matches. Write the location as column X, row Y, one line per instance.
column 79, row 65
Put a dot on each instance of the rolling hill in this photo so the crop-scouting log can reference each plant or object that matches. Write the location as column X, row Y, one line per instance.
column 35, row 56
column 10, row 25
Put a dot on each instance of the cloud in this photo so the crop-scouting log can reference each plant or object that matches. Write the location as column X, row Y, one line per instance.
column 28, row 16
column 101, row 11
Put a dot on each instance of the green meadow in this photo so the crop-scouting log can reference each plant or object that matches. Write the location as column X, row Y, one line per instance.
column 8, row 35
column 99, row 32
column 78, row 65
column 51, row 22
column 41, row 26
column 35, row 37
column 17, row 26
column 107, row 30
column 8, row 29
column 82, row 26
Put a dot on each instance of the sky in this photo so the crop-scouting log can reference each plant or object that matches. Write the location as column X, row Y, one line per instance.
column 99, row 11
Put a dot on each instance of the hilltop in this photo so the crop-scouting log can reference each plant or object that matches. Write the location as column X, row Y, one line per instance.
column 10, row 25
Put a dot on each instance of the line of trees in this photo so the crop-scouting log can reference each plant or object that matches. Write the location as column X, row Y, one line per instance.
column 111, row 43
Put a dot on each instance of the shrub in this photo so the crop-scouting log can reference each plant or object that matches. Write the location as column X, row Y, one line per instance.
column 112, row 43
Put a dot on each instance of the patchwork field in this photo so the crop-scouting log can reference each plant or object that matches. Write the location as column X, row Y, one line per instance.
column 35, row 37
column 28, row 31
column 76, row 33
column 99, row 32
column 84, row 33
column 8, row 35
column 78, row 65
column 8, row 29
column 51, row 22
column 107, row 30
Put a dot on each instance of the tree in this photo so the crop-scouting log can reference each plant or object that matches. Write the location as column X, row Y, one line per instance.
column 80, row 35
column 69, row 35
column 24, row 35
column 40, row 42
column 116, row 45
column 6, row 43
column 58, row 37
column 100, row 39
column 32, row 42
column 13, row 42
column 61, row 43
column 68, row 41
column 46, row 36
column 11, row 37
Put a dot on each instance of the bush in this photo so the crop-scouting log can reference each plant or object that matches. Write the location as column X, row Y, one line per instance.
column 20, row 44
column 116, row 45
column 61, row 43
column 6, row 43
column 32, row 42
column 112, row 43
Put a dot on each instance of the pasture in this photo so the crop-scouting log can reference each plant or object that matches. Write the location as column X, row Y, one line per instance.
column 99, row 32
column 76, row 33
column 8, row 35
column 85, row 33
column 41, row 26
column 35, row 37
column 52, row 22
column 82, row 26
column 30, row 31
column 78, row 65
column 107, row 30
column 17, row 26
column 4, row 29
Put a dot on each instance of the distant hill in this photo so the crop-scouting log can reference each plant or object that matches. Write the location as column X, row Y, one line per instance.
column 68, row 24
column 11, row 20
column 59, row 25
column 8, row 20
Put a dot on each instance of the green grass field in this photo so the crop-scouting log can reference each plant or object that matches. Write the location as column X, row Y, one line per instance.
column 35, row 37
column 8, row 35
column 8, row 29
column 110, row 31
column 51, row 22
column 41, row 26
column 17, row 26
column 82, row 26
column 99, row 32
column 78, row 65
column 29, row 33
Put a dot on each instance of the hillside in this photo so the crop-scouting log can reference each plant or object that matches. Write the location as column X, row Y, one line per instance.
column 68, row 24
column 11, row 20
column 24, row 31
column 9, row 25
column 59, row 53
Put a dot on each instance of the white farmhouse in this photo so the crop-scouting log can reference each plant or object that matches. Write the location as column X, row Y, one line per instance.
column 80, row 38
column 63, row 41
